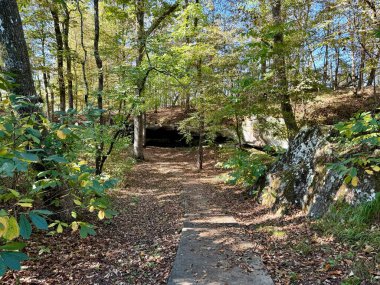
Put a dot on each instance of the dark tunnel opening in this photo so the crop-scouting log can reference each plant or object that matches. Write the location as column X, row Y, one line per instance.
column 164, row 136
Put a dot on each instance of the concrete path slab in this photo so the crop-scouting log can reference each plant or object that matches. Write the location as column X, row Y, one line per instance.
column 212, row 250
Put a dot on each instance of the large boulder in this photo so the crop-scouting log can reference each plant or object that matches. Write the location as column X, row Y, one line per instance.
column 302, row 179
column 259, row 132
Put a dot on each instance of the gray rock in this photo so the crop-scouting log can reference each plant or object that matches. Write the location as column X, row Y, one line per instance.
column 259, row 132
column 301, row 177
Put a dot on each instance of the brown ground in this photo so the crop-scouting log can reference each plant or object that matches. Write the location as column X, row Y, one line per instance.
column 139, row 245
column 136, row 247
column 330, row 108
column 166, row 116
column 326, row 108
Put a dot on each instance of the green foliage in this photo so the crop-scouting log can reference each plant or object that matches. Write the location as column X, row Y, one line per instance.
column 353, row 224
column 247, row 168
column 358, row 138
column 39, row 168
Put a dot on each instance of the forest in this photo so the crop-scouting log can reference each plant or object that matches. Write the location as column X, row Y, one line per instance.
column 179, row 142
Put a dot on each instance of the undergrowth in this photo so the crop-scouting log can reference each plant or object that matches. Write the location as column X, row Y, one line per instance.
column 247, row 167
column 359, row 225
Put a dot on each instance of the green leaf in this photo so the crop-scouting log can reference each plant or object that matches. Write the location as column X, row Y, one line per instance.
column 56, row 158
column 59, row 228
column 13, row 259
column 42, row 212
column 8, row 168
column 34, row 132
column 3, row 267
column 29, row 156
column 21, row 166
column 38, row 221
column 86, row 230
column 377, row 33
column 13, row 246
column 15, row 193
column 25, row 227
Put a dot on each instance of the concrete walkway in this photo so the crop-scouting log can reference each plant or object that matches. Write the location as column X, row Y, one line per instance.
column 212, row 250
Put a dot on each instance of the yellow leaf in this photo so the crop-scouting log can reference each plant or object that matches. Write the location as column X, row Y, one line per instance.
column 82, row 162
column 6, row 102
column 355, row 181
column 74, row 226
column 61, row 134
column 370, row 172
column 101, row 215
column 13, row 230
column 376, row 168
column 77, row 202
column 84, row 183
column 91, row 209
column 3, row 151
column 25, row 205
column 59, row 228
column 3, row 225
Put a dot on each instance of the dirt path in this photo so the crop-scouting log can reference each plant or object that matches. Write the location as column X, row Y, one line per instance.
column 139, row 245
column 213, row 249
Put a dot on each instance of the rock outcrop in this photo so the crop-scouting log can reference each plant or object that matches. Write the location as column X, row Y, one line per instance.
column 259, row 132
column 302, row 178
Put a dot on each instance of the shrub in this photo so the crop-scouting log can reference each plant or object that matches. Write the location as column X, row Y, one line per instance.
column 247, row 168
column 40, row 175
column 358, row 139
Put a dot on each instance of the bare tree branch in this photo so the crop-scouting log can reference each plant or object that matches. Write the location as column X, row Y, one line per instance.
column 156, row 22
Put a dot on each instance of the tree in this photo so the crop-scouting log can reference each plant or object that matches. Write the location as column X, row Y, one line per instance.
column 142, row 35
column 84, row 60
column 69, row 75
column 279, row 64
column 60, row 51
column 15, row 54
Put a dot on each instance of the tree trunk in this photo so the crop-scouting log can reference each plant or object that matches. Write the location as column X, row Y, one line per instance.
column 337, row 62
column 372, row 73
column 142, row 34
column 361, row 69
column 138, row 142
column 280, row 72
column 15, row 54
column 138, row 146
column 76, row 86
column 187, row 92
column 371, row 76
column 99, row 64
column 61, row 78
column 144, row 129
column 201, row 138
column 263, row 66
column 69, row 75
column 52, row 98
column 46, row 85
column 45, row 77
column 83, row 62
column 201, row 107
column 326, row 65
